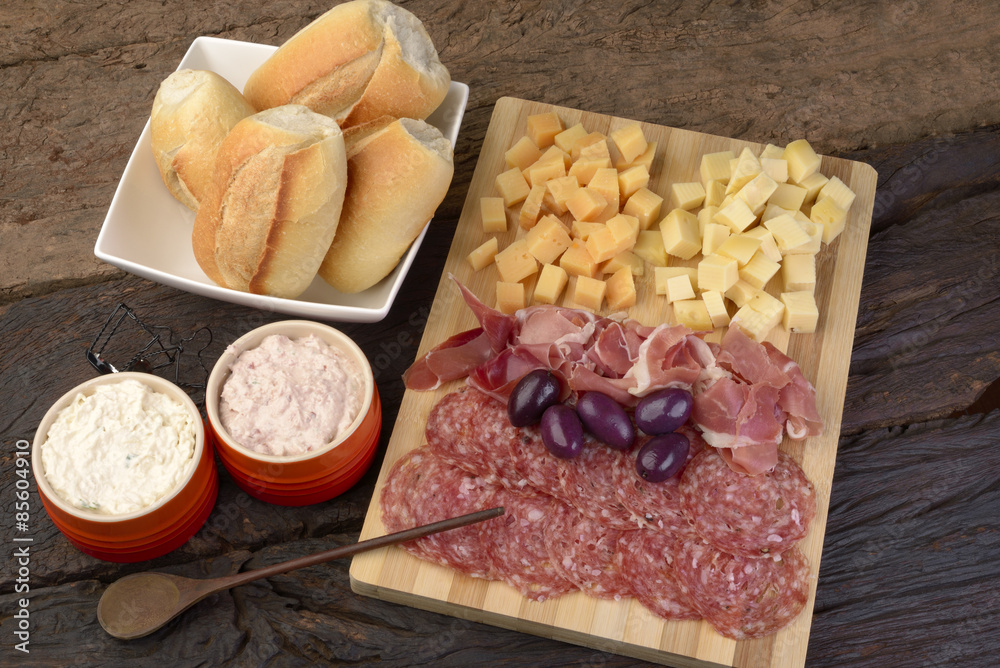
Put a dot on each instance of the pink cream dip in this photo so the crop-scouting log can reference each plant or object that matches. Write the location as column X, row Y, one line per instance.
column 287, row 397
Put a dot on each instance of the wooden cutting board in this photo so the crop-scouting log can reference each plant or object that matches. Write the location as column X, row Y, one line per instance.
column 625, row 627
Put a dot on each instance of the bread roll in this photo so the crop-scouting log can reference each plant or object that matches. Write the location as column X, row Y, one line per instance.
column 274, row 202
column 397, row 176
column 192, row 112
column 358, row 61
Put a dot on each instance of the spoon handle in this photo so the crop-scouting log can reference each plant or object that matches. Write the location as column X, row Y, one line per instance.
column 355, row 548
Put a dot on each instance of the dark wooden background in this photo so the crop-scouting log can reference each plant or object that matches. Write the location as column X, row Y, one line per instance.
column 912, row 554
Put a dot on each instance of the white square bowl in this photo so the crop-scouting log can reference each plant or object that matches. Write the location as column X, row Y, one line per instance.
column 148, row 233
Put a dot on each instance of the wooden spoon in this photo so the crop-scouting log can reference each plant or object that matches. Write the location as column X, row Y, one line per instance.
column 138, row 604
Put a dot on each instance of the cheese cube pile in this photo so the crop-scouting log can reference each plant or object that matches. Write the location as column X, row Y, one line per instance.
column 588, row 224
column 764, row 216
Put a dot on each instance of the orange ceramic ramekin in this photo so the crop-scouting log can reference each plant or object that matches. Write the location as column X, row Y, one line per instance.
column 310, row 477
column 148, row 533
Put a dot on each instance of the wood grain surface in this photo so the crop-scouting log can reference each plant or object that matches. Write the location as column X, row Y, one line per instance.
column 625, row 626
column 912, row 548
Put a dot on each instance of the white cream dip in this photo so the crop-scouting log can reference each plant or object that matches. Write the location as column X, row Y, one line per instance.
column 120, row 449
column 287, row 397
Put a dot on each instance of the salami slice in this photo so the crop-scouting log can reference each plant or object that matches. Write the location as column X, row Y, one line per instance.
column 646, row 560
column 742, row 597
column 657, row 504
column 471, row 430
column 517, row 551
column 583, row 551
column 432, row 489
column 397, row 495
column 750, row 516
column 590, row 483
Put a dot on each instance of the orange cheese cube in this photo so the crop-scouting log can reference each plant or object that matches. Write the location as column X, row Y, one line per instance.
column 620, row 290
column 547, row 240
column 522, row 154
column 544, row 170
column 630, row 141
column 585, row 168
column 512, row 186
column 593, row 145
column 510, row 297
column 646, row 159
column 631, row 180
column 531, row 208
column 586, row 204
column 494, row 214
column 483, row 255
column 577, row 261
column 570, row 136
column 515, row 262
column 605, row 182
column 543, row 128
column 601, row 245
column 559, row 191
column 582, row 229
column 551, row 283
column 589, row 292
column 625, row 259
column 645, row 205
column 624, row 229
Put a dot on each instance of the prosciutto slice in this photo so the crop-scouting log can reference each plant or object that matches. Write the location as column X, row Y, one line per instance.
column 747, row 395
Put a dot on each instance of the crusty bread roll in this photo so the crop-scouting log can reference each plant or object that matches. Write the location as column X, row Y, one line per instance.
column 274, row 202
column 397, row 177
column 192, row 112
column 358, row 61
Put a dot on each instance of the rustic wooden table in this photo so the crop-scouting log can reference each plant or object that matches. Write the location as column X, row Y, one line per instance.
column 912, row 553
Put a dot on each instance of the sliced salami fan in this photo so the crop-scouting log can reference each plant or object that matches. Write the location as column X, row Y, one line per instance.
column 516, row 544
column 589, row 483
column 583, row 551
column 435, row 491
column 657, row 504
column 750, row 516
column 741, row 597
column 646, row 560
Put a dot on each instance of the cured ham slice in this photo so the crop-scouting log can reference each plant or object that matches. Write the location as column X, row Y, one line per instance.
column 764, row 397
column 450, row 360
column 747, row 395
